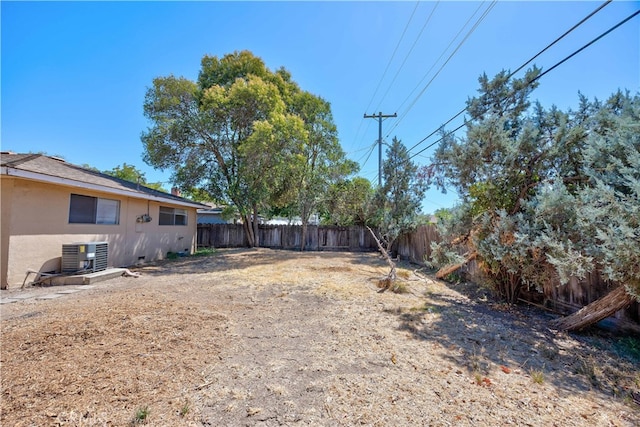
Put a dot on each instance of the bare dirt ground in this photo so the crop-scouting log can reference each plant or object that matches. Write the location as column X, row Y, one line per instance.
column 268, row 338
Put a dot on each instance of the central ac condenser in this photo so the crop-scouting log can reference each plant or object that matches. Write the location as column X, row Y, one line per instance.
column 86, row 257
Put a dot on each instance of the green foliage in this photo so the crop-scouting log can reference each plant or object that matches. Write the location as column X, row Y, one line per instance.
column 204, row 252
column 502, row 155
column 184, row 410
column 396, row 205
column 89, row 167
column 450, row 227
column 547, row 196
column 127, row 172
column 444, row 214
column 198, row 194
column 630, row 348
column 239, row 123
column 132, row 174
column 348, row 202
column 141, row 415
column 273, row 150
column 322, row 161
column 537, row 376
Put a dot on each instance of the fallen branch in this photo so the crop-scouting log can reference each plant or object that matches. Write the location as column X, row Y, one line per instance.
column 600, row 309
column 207, row 384
column 446, row 270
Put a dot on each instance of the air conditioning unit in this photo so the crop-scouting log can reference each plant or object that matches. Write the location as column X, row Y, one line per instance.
column 84, row 257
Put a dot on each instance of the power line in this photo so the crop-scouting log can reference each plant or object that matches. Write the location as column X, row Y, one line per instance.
column 357, row 151
column 437, row 60
column 557, row 64
column 392, row 55
column 561, row 37
column 375, row 92
column 466, row 37
column 519, row 68
column 590, row 43
column 368, row 154
column 407, row 55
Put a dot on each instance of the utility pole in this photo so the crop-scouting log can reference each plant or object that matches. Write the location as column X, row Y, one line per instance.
column 380, row 116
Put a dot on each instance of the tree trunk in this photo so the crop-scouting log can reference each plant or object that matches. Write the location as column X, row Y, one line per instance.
column 304, row 235
column 256, row 232
column 248, row 230
column 305, row 223
column 391, row 277
column 305, row 214
column 445, row 271
column 618, row 299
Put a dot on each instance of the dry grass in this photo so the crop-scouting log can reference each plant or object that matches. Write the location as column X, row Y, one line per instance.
column 260, row 337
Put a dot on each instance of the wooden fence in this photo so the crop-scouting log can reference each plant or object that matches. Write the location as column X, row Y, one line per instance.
column 318, row 238
column 415, row 247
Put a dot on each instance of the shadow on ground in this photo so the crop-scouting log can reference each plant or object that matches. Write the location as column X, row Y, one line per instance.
column 484, row 335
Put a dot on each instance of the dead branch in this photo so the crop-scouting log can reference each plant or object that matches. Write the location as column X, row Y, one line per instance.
column 391, row 277
column 600, row 309
column 445, row 271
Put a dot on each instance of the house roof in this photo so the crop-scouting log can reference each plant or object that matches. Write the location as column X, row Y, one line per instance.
column 39, row 167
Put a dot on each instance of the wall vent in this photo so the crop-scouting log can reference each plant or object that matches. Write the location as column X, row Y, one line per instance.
column 86, row 257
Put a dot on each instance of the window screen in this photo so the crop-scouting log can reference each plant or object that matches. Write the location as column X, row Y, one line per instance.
column 93, row 210
column 172, row 216
column 82, row 209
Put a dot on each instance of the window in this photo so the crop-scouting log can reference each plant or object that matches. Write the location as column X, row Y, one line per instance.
column 172, row 216
column 93, row 210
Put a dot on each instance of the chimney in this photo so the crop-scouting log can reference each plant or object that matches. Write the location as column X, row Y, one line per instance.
column 175, row 191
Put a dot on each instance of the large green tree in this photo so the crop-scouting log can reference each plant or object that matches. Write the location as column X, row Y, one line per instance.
column 131, row 173
column 322, row 159
column 240, row 135
column 348, row 202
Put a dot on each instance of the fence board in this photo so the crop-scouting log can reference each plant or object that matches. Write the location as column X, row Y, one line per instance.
column 416, row 246
column 317, row 238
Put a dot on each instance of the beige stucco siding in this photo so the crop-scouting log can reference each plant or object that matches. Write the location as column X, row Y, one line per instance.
column 35, row 225
column 6, row 193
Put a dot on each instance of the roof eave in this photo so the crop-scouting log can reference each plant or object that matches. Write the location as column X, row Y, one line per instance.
column 85, row 185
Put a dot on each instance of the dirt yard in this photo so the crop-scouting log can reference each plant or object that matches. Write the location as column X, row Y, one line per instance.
column 268, row 338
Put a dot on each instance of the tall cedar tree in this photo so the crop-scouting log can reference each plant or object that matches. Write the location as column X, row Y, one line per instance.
column 397, row 202
column 538, row 188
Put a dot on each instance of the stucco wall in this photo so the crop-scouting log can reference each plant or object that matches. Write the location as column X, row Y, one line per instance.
column 5, row 212
column 36, row 217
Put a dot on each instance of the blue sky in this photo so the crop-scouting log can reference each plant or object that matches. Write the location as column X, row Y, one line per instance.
column 74, row 74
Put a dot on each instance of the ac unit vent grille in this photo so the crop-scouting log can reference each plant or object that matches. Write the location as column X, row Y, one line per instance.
column 86, row 257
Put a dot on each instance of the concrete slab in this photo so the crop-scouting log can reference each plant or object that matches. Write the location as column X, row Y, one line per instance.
column 7, row 300
column 86, row 279
column 49, row 296
column 69, row 291
column 22, row 296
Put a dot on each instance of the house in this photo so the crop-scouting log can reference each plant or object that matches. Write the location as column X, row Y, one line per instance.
column 212, row 215
column 47, row 203
column 314, row 219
